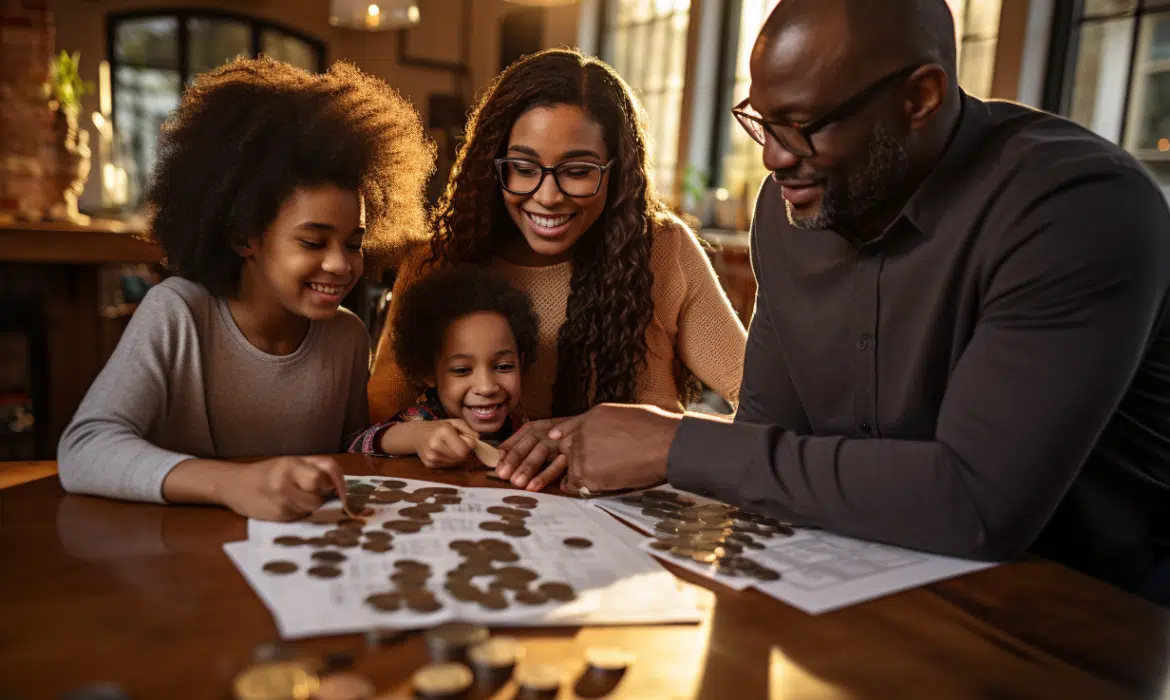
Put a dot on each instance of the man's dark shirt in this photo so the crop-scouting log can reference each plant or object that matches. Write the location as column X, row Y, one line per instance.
column 992, row 374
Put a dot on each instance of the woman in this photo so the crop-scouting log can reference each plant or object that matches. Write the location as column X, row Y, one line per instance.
column 550, row 188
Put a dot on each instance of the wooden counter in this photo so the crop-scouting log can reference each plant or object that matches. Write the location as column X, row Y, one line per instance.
column 68, row 244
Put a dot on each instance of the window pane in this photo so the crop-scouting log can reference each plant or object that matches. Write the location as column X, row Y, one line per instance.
column 1156, row 37
column 978, row 66
column 1108, row 7
column 1148, row 129
column 213, row 42
column 289, row 49
column 1101, row 74
column 982, row 18
column 144, row 97
column 151, row 42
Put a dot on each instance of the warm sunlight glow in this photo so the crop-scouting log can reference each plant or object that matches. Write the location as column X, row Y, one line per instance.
column 722, row 194
column 373, row 10
column 1164, row 144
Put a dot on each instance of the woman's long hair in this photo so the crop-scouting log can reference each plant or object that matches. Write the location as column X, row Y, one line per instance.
column 601, row 349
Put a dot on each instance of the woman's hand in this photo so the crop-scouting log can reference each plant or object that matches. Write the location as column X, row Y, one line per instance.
column 531, row 459
column 282, row 488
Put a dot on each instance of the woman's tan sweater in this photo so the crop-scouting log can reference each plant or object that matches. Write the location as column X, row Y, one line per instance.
column 693, row 324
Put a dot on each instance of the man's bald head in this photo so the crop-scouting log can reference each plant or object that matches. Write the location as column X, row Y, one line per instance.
column 869, row 32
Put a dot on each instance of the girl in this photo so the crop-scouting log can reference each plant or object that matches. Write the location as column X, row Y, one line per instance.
column 464, row 335
column 551, row 189
column 270, row 182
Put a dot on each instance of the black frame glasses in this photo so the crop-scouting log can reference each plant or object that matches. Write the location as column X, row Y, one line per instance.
column 797, row 138
column 501, row 162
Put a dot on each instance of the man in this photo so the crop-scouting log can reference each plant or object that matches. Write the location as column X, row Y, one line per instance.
column 960, row 342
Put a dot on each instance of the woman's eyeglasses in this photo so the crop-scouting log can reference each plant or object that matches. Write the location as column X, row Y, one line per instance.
column 575, row 179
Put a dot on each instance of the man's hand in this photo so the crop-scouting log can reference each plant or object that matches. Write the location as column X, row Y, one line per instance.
column 445, row 443
column 282, row 488
column 530, row 459
column 615, row 446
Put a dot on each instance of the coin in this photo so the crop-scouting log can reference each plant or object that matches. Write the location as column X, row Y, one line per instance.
column 539, row 678
column 521, row 501
column 415, row 497
column 441, row 680
column 577, row 543
column 446, row 499
column 422, row 601
column 345, row 686
column 288, row 541
column 351, row 523
column 461, row 546
column 385, row 497
column 496, row 653
column 378, row 546
column 325, row 571
column 360, row 488
column 517, row 532
column 378, row 535
column 494, row 526
column 763, row 573
column 463, row 591
column 531, row 597
column 517, row 573
column 386, row 602
column 412, row 564
column 403, row 526
column 662, row 545
column 507, row 511
column 393, row 484
column 276, row 681
column 329, row 556
column 608, row 658
column 280, row 567
column 493, row 600
column 555, row 590
column 319, row 541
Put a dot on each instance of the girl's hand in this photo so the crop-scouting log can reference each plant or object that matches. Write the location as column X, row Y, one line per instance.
column 531, row 459
column 282, row 488
column 445, row 443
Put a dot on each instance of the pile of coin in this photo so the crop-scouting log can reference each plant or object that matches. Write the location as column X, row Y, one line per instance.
column 480, row 559
column 512, row 517
column 711, row 533
column 410, row 581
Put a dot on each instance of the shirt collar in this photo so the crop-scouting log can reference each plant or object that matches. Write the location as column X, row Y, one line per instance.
column 931, row 201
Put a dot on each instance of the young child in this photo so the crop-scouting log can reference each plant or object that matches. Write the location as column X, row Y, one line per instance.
column 269, row 183
column 465, row 335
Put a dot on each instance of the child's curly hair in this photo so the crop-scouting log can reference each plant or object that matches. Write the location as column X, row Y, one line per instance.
column 428, row 307
column 248, row 133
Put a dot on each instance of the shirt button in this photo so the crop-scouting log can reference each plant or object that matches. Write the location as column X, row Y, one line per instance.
column 866, row 428
column 863, row 343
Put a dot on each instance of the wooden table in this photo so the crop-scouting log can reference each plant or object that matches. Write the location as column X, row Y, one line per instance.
column 143, row 596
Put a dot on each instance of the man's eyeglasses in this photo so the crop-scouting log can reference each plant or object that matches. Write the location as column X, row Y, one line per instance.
column 575, row 179
column 797, row 139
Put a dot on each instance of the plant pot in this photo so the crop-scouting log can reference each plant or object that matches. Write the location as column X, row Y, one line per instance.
column 67, row 169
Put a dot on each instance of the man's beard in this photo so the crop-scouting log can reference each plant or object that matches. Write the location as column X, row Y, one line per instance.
column 846, row 198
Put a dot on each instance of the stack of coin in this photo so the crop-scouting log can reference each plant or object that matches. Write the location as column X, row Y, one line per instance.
column 279, row 680
column 711, row 533
column 345, row 686
column 604, row 669
column 451, row 640
column 493, row 661
column 537, row 681
column 441, row 681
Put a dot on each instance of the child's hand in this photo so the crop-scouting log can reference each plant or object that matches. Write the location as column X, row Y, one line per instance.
column 445, row 443
column 282, row 488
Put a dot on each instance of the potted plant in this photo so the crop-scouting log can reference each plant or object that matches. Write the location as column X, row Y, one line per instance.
column 68, row 160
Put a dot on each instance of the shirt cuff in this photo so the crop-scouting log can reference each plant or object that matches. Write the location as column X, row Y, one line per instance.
column 699, row 459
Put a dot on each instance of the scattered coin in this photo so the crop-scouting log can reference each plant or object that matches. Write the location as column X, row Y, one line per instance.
column 421, row 600
column 378, row 546
column 578, row 543
column 280, row 567
column 289, row 541
column 506, row 511
column 403, row 526
column 360, row 488
column 521, row 501
column 531, row 598
column 393, row 484
column 444, row 680
column 494, row 526
column 445, row 499
column 276, row 681
column 329, row 556
column 493, row 600
column 662, row 545
column 378, row 535
column 318, row 541
column 561, row 592
column 385, row 602
column 351, row 523
column 325, row 571
column 517, row 532
column 345, row 686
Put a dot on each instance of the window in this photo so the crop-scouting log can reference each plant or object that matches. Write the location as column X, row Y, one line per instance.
column 646, row 42
column 1118, row 81
column 153, row 55
column 977, row 26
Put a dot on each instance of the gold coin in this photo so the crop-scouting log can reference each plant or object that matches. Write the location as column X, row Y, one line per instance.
column 441, row 679
column 608, row 658
column 344, row 686
column 538, row 677
column 276, row 681
column 497, row 652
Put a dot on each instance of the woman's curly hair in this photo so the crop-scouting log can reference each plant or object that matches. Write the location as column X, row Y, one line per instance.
column 248, row 133
column 429, row 306
column 601, row 349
